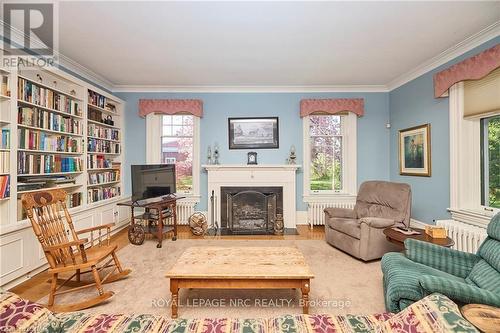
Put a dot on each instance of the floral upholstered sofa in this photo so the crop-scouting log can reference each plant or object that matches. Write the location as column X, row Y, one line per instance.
column 435, row 313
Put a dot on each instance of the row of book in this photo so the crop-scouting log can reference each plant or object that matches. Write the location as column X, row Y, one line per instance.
column 101, row 146
column 98, row 162
column 100, row 101
column 103, row 132
column 36, row 117
column 73, row 200
column 47, row 181
column 4, row 85
column 4, row 162
column 36, row 140
column 102, row 193
column 32, row 93
column 45, row 164
column 103, row 177
column 4, row 186
column 5, row 138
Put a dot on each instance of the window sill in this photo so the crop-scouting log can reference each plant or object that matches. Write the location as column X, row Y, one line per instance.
column 190, row 197
column 336, row 197
column 475, row 217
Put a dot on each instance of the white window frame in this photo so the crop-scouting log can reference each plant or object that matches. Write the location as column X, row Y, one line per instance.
column 465, row 163
column 349, row 160
column 153, row 149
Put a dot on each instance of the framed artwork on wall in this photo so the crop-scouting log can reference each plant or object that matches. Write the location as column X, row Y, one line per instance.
column 253, row 133
column 415, row 151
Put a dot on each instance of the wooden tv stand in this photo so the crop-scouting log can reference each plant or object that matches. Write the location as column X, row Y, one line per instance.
column 157, row 210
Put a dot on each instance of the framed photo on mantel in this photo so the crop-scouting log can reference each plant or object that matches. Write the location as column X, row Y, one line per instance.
column 415, row 151
column 253, row 133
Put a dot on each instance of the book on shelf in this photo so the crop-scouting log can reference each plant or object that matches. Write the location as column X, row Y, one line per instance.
column 101, row 132
column 5, row 138
column 44, row 182
column 5, row 85
column 28, row 163
column 98, row 162
column 73, row 200
column 4, row 162
column 102, row 193
column 96, row 99
column 35, row 117
column 30, row 92
column 4, row 186
column 21, row 212
column 102, row 146
column 96, row 178
column 37, row 140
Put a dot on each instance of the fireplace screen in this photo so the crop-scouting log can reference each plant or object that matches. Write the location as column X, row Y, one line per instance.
column 250, row 210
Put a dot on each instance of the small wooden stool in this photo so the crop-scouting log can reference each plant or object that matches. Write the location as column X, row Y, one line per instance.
column 484, row 317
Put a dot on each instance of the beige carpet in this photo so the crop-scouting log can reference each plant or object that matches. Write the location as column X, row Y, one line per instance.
column 342, row 284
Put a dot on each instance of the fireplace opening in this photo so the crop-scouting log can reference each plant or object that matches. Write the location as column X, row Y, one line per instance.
column 250, row 210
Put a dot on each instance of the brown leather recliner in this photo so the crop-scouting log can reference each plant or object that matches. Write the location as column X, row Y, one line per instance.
column 359, row 231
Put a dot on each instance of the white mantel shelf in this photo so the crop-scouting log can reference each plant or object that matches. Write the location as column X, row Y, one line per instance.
column 251, row 166
column 236, row 175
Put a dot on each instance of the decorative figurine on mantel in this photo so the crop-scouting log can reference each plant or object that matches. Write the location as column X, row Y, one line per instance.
column 292, row 157
column 209, row 155
column 216, row 154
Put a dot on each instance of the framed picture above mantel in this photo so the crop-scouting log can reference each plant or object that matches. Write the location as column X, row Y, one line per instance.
column 253, row 133
column 415, row 151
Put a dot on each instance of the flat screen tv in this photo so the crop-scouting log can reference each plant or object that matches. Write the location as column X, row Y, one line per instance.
column 152, row 180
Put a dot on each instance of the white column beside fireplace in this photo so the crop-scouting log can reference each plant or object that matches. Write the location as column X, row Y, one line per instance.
column 228, row 175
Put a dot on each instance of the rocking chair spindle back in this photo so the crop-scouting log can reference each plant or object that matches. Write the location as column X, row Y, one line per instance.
column 52, row 224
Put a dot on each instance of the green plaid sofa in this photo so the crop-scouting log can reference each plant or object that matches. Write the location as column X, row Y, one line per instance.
column 427, row 268
column 434, row 314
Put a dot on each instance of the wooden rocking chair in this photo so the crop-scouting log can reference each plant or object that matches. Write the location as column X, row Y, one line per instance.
column 47, row 211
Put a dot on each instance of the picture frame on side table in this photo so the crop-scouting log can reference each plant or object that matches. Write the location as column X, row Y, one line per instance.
column 415, row 151
column 253, row 133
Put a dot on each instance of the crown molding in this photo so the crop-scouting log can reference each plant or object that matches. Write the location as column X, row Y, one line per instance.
column 453, row 52
column 250, row 89
column 459, row 49
column 85, row 72
column 17, row 37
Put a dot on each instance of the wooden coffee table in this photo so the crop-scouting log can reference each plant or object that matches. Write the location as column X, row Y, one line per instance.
column 398, row 238
column 484, row 317
column 240, row 268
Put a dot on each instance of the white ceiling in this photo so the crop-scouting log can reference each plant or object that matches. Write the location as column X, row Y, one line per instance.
column 264, row 43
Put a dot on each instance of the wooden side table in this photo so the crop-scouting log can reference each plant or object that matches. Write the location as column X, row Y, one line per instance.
column 484, row 317
column 398, row 238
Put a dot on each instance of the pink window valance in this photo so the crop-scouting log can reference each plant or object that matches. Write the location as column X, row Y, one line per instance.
column 473, row 68
column 332, row 106
column 171, row 106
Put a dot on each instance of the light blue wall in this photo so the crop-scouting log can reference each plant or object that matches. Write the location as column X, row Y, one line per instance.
column 373, row 137
column 414, row 104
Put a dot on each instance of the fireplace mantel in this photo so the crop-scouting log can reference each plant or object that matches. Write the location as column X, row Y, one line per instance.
column 251, row 166
column 227, row 175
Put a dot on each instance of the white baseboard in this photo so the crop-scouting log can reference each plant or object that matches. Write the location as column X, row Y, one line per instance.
column 417, row 224
column 43, row 267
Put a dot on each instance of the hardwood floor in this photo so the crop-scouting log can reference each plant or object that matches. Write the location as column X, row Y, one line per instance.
column 38, row 286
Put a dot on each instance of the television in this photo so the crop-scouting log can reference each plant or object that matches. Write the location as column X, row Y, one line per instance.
column 152, row 181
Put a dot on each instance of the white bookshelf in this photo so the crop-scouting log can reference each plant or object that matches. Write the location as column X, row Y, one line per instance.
column 6, row 159
column 16, row 235
column 78, row 124
column 104, row 135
